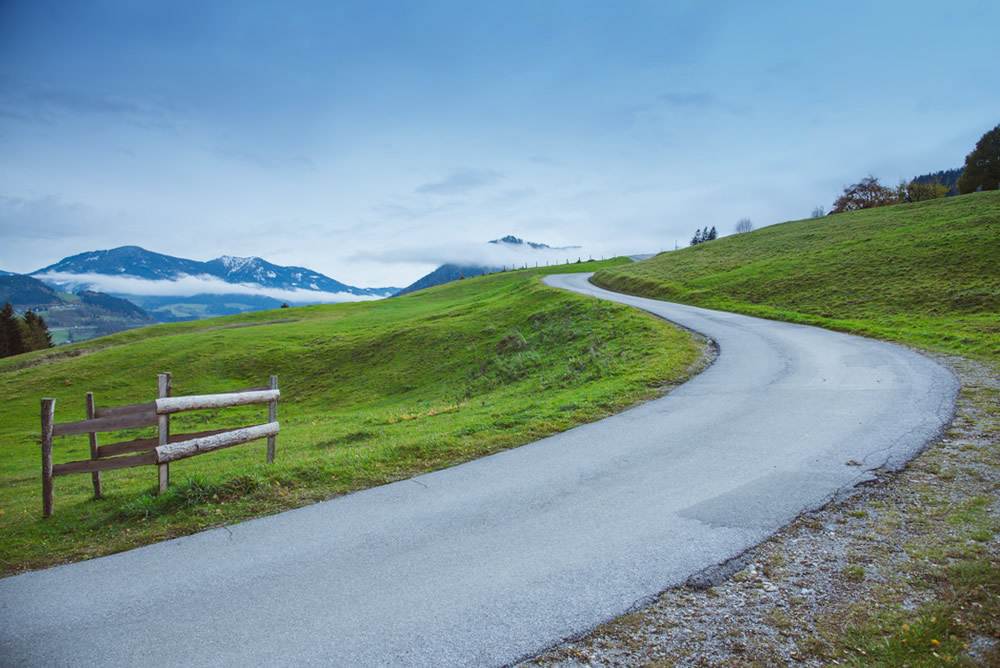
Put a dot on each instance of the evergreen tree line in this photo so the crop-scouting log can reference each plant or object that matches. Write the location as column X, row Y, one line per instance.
column 947, row 178
column 701, row 236
column 21, row 335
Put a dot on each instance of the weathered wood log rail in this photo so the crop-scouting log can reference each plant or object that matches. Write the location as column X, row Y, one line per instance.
column 159, row 450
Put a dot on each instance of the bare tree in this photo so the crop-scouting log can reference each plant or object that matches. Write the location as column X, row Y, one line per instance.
column 744, row 225
column 867, row 193
column 818, row 212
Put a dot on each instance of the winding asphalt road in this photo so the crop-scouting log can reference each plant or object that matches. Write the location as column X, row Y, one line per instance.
column 497, row 559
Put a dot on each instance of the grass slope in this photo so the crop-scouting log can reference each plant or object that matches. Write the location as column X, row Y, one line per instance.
column 924, row 274
column 371, row 393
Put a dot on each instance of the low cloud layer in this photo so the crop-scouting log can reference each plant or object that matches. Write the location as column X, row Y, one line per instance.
column 187, row 286
column 492, row 255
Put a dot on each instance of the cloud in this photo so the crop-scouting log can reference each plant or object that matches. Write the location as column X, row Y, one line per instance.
column 461, row 181
column 186, row 286
column 492, row 255
column 41, row 103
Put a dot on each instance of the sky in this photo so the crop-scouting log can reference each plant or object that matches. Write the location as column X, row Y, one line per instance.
column 372, row 141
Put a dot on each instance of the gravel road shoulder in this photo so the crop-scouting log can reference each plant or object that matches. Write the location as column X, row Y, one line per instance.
column 884, row 555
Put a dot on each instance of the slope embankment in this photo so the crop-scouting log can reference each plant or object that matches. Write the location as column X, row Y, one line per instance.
column 923, row 274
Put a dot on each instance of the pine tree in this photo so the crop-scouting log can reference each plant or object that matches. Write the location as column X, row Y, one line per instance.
column 37, row 336
column 11, row 337
column 712, row 234
column 696, row 239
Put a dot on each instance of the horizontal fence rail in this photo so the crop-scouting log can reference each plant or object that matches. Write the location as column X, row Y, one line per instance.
column 159, row 450
column 111, row 423
column 170, row 405
column 196, row 446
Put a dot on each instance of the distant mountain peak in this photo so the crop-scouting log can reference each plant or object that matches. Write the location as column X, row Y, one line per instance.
column 515, row 241
column 453, row 271
column 234, row 263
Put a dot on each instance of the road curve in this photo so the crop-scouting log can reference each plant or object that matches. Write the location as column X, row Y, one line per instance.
column 497, row 559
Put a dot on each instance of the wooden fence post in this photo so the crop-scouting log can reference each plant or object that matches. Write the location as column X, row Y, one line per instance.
column 163, row 428
column 161, row 449
column 48, row 420
column 272, row 416
column 95, row 475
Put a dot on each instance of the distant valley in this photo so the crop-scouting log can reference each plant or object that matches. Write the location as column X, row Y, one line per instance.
column 72, row 317
column 105, row 291
column 174, row 289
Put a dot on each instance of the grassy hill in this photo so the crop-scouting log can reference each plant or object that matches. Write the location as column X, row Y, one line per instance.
column 371, row 392
column 926, row 274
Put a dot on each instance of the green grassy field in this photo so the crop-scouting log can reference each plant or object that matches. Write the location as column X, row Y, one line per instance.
column 371, row 393
column 926, row 275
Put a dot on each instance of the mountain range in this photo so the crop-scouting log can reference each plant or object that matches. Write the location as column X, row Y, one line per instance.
column 175, row 288
column 137, row 262
column 164, row 288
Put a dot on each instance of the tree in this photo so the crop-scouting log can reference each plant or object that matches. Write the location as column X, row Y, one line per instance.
column 744, row 225
column 701, row 236
column 947, row 178
column 982, row 166
column 818, row 212
column 11, row 336
column 919, row 192
column 36, row 332
column 865, row 194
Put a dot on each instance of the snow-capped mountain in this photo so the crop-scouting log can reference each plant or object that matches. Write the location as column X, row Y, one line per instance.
column 175, row 288
column 259, row 271
column 136, row 262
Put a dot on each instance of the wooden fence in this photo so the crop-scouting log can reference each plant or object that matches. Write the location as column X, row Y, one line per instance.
column 159, row 450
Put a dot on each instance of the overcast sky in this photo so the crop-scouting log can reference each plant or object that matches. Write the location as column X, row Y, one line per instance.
column 373, row 140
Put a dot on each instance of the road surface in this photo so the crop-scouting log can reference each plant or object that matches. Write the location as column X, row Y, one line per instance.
column 495, row 560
